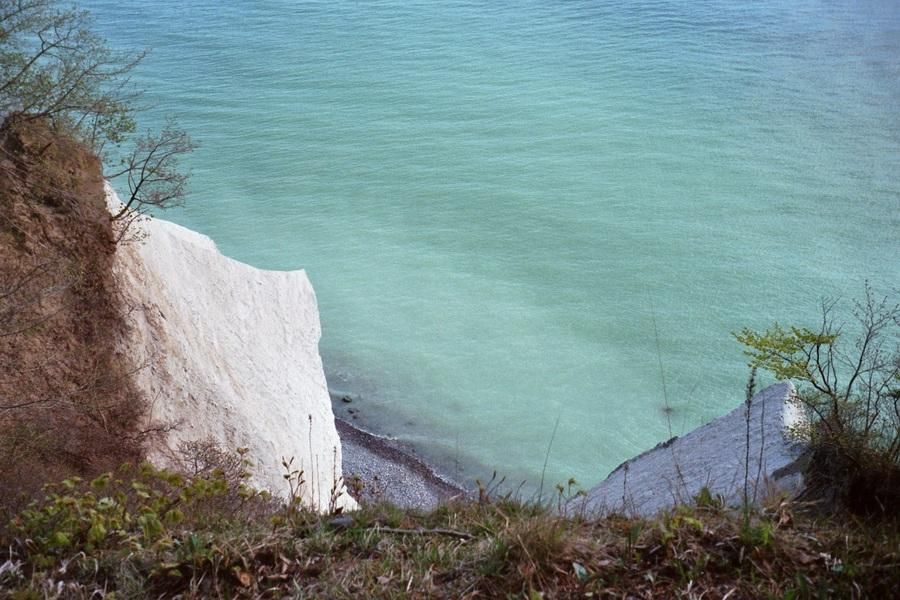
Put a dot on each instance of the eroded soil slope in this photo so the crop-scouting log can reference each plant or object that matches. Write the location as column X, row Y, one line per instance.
column 66, row 402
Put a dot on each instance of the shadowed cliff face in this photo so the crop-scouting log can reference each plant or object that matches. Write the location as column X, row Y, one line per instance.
column 67, row 404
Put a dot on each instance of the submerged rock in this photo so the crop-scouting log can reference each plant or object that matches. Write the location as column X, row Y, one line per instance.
column 712, row 456
column 230, row 352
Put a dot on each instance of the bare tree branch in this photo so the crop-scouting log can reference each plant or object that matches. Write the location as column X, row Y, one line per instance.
column 151, row 171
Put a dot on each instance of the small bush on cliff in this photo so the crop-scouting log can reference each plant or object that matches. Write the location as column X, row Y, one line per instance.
column 851, row 388
column 53, row 66
column 55, row 69
column 167, row 519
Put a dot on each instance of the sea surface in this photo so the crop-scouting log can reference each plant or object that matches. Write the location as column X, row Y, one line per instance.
column 537, row 216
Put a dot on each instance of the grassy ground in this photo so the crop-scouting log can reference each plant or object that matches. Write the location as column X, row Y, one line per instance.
column 145, row 533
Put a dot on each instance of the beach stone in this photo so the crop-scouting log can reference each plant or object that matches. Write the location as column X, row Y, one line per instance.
column 341, row 522
column 390, row 472
column 711, row 456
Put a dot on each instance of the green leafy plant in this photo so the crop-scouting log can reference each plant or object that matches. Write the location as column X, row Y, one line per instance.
column 850, row 386
column 461, row 550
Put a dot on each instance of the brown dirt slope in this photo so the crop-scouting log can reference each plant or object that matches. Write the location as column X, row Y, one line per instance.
column 67, row 406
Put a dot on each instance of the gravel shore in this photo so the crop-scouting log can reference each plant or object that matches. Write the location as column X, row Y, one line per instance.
column 389, row 471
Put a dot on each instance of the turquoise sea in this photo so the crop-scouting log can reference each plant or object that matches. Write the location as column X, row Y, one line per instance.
column 515, row 212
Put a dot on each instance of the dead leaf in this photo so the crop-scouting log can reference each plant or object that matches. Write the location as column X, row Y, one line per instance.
column 245, row 578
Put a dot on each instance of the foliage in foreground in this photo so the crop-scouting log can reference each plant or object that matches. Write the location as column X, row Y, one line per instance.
column 148, row 533
column 850, row 387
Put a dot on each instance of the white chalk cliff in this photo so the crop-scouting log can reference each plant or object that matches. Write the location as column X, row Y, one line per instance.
column 230, row 352
column 712, row 456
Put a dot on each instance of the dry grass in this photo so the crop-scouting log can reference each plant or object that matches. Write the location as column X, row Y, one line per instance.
column 489, row 549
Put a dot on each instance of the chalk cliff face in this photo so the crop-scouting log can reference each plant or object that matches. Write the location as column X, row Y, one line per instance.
column 712, row 456
column 230, row 352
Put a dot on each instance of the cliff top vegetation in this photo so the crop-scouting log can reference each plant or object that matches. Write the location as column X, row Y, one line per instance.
column 138, row 533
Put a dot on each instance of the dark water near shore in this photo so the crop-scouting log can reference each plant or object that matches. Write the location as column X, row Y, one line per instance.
column 499, row 202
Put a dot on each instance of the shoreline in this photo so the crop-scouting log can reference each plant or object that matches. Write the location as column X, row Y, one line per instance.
column 377, row 468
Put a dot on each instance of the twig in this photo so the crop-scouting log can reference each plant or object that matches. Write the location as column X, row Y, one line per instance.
column 662, row 371
column 421, row 531
column 762, row 448
column 547, row 458
column 748, row 403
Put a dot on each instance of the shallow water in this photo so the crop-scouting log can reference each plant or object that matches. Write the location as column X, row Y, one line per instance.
column 513, row 212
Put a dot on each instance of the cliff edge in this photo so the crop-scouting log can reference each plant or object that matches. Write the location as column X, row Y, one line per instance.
column 714, row 457
column 228, row 352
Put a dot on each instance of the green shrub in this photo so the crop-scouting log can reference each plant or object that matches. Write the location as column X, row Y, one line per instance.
column 850, row 386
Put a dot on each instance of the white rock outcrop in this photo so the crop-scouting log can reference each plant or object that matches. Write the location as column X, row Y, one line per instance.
column 230, row 352
column 712, row 456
